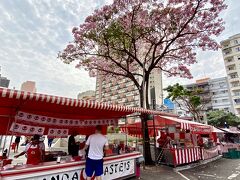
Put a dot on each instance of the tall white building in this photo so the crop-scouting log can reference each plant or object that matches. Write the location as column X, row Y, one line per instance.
column 220, row 94
column 231, row 55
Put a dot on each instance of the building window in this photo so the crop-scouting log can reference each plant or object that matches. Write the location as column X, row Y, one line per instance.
column 238, row 49
column 228, row 51
column 231, row 68
column 235, row 41
column 237, row 101
column 224, row 91
column 234, row 76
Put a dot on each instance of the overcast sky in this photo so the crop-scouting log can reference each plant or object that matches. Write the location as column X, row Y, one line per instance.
column 32, row 32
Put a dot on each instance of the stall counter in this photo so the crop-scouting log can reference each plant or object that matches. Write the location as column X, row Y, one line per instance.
column 115, row 167
column 178, row 156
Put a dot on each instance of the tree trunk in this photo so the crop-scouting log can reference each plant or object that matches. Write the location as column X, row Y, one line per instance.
column 144, row 118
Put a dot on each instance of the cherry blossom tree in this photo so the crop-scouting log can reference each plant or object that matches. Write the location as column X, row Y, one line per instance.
column 131, row 38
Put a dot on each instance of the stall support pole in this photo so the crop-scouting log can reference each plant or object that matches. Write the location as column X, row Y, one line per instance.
column 154, row 138
column 4, row 144
column 136, row 139
column 9, row 148
column 126, row 132
column 1, row 137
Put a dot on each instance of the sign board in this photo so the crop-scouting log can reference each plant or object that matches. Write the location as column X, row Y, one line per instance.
column 112, row 170
column 200, row 130
column 118, row 169
column 26, row 129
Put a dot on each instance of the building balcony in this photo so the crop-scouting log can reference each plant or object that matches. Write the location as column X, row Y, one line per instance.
column 229, row 61
column 237, row 106
column 225, row 44
column 236, row 94
column 234, row 79
column 231, row 71
column 229, row 55
column 235, row 88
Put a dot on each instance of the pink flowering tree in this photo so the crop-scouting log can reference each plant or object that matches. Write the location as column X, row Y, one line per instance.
column 131, row 38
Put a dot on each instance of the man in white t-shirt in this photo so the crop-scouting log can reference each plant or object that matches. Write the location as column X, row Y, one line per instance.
column 94, row 163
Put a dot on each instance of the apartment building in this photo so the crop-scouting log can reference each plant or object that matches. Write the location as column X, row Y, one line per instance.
column 4, row 82
column 87, row 95
column 231, row 56
column 29, row 86
column 122, row 91
column 215, row 93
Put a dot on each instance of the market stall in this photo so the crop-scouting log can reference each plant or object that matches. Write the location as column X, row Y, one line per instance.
column 179, row 141
column 230, row 139
column 24, row 113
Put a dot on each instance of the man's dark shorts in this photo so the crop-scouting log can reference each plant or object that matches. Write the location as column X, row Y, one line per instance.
column 94, row 166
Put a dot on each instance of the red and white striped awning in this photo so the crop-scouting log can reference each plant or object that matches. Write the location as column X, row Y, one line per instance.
column 61, row 108
column 185, row 124
column 161, row 122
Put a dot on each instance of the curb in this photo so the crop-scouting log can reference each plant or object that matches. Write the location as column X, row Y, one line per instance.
column 201, row 162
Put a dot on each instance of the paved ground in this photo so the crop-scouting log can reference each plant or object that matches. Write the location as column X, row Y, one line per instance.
column 225, row 169
column 221, row 169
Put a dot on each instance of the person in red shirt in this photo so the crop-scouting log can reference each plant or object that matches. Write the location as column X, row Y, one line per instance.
column 35, row 151
column 164, row 139
column 200, row 141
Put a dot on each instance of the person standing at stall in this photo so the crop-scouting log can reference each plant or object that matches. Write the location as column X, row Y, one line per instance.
column 200, row 141
column 17, row 141
column 94, row 163
column 50, row 141
column 73, row 147
column 35, row 151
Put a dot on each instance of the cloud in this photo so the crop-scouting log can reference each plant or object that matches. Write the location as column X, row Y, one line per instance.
column 33, row 32
column 31, row 35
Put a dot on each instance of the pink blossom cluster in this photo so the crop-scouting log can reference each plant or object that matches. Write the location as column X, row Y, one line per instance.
column 141, row 35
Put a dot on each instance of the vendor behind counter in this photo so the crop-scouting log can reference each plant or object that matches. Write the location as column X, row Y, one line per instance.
column 35, row 151
column 73, row 146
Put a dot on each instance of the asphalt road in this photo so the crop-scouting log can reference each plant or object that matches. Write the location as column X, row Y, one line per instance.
column 221, row 169
column 225, row 169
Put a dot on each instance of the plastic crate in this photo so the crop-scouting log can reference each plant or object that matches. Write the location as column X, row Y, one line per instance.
column 226, row 155
column 233, row 154
column 232, row 149
column 238, row 154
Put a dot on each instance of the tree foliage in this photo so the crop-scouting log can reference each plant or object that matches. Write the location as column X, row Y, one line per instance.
column 130, row 38
column 218, row 118
column 188, row 100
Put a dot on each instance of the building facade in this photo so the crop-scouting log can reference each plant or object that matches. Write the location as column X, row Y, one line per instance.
column 29, row 86
column 122, row 91
column 87, row 95
column 231, row 56
column 4, row 82
column 215, row 93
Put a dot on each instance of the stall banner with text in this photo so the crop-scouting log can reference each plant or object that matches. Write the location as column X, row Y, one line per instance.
column 118, row 169
column 112, row 170
column 68, row 175
column 51, row 121
column 26, row 129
